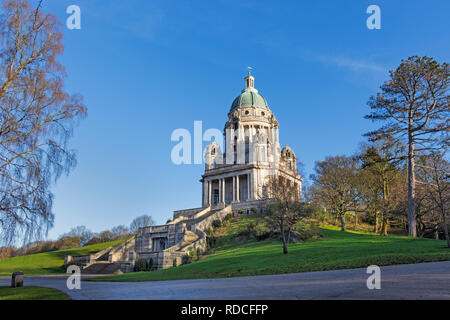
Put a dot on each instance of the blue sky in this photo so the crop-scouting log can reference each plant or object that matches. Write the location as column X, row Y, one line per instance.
column 146, row 68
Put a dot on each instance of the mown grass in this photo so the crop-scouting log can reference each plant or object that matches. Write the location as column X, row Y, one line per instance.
column 48, row 262
column 31, row 293
column 338, row 250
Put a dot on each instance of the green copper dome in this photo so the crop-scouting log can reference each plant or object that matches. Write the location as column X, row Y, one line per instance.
column 248, row 98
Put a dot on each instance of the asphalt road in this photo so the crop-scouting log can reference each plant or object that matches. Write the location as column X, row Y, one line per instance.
column 413, row 281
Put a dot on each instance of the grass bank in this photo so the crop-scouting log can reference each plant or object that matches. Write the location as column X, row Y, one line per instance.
column 48, row 262
column 338, row 250
column 31, row 293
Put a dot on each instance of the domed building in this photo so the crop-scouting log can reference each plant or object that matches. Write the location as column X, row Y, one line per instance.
column 238, row 176
column 234, row 182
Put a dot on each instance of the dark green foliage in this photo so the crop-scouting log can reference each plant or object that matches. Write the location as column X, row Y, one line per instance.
column 186, row 259
column 308, row 230
column 210, row 239
column 150, row 264
column 216, row 224
column 190, row 256
column 140, row 265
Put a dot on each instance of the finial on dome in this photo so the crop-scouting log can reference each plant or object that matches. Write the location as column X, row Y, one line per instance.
column 249, row 79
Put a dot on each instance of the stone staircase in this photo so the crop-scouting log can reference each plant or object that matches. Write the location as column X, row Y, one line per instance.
column 102, row 267
column 121, row 258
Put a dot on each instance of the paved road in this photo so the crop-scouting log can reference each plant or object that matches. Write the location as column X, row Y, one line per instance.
column 414, row 281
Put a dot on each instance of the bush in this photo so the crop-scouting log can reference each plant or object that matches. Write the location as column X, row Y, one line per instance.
column 174, row 263
column 71, row 263
column 140, row 265
column 186, row 259
column 248, row 231
column 308, row 230
column 216, row 224
column 262, row 232
column 227, row 217
column 150, row 264
column 210, row 239
column 192, row 254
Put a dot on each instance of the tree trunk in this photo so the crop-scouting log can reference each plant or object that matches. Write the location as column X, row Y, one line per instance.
column 376, row 222
column 342, row 222
column 412, row 225
column 356, row 220
column 384, row 228
column 446, row 230
column 283, row 238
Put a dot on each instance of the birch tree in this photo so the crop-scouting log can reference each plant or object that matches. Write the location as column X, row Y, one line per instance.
column 37, row 117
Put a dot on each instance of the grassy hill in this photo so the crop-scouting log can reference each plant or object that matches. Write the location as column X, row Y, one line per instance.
column 48, row 262
column 31, row 293
column 338, row 250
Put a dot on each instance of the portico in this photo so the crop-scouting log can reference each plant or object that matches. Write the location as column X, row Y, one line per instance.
column 227, row 188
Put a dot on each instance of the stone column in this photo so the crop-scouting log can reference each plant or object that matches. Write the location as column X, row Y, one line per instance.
column 237, row 188
column 223, row 190
column 248, row 186
column 234, row 189
column 209, row 192
column 219, row 181
column 203, row 194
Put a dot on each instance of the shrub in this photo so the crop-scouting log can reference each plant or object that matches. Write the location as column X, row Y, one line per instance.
column 216, row 224
column 186, row 259
column 228, row 217
column 308, row 230
column 174, row 263
column 192, row 254
column 210, row 239
column 150, row 264
column 140, row 265
column 261, row 231
column 71, row 263
column 248, row 231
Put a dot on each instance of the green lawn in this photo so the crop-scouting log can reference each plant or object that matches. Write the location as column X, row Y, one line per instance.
column 339, row 250
column 31, row 293
column 48, row 262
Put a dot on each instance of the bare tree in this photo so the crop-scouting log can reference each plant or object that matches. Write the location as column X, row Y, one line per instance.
column 335, row 185
column 36, row 119
column 414, row 103
column 434, row 173
column 81, row 232
column 120, row 231
column 141, row 222
column 284, row 209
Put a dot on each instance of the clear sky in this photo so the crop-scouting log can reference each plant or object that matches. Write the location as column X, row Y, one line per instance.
column 146, row 68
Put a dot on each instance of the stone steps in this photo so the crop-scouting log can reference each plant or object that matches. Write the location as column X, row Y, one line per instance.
column 102, row 267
